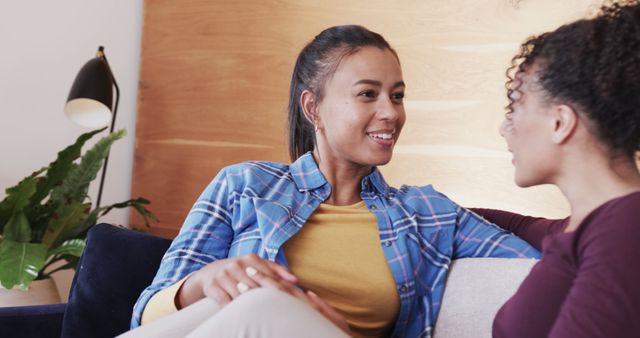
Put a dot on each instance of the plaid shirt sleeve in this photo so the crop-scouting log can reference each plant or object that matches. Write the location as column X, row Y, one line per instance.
column 204, row 237
column 476, row 237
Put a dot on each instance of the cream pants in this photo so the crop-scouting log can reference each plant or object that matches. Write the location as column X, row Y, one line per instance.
column 261, row 312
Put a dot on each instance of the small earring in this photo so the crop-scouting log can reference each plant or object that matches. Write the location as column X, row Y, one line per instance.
column 315, row 127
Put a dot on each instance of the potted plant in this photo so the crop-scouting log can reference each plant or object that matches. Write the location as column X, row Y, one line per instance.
column 44, row 219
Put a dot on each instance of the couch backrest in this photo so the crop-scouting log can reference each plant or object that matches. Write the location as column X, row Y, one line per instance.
column 476, row 289
column 116, row 266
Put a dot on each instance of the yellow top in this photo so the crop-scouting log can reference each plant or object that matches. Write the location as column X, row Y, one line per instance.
column 337, row 255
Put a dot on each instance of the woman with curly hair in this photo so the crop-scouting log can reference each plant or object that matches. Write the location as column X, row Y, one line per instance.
column 574, row 121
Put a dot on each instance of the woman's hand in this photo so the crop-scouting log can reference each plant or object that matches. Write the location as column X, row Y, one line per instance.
column 225, row 279
column 327, row 311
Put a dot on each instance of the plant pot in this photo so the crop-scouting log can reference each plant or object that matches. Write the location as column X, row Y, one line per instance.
column 39, row 292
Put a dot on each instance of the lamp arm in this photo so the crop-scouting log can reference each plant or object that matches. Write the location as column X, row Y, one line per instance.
column 115, row 84
column 113, row 123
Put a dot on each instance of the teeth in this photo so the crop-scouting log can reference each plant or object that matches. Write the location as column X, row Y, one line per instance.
column 383, row 136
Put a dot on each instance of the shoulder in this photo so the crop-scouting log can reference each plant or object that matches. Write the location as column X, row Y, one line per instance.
column 617, row 216
column 250, row 170
column 625, row 207
column 614, row 226
column 239, row 176
column 256, row 167
column 413, row 192
column 608, row 250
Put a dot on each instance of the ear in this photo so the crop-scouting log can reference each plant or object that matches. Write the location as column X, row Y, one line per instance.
column 565, row 123
column 309, row 104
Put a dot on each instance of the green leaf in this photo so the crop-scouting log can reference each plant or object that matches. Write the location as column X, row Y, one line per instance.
column 76, row 183
column 56, row 172
column 72, row 263
column 6, row 210
column 65, row 222
column 18, row 228
column 12, row 207
column 20, row 263
column 92, row 218
column 73, row 247
column 40, row 217
column 18, row 196
column 138, row 205
column 62, row 165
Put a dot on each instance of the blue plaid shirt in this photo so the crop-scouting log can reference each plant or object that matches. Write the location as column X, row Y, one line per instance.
column 254, row 207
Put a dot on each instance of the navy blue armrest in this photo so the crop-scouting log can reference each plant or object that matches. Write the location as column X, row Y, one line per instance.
column 39, row 321
column 117, row 264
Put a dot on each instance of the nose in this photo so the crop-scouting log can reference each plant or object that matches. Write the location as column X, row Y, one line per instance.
column 389, row 111
column 503, row 128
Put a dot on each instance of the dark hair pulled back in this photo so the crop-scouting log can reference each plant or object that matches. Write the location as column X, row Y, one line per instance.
column 316, row 63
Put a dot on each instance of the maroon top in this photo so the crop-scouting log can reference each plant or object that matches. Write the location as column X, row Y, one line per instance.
column 587, row 283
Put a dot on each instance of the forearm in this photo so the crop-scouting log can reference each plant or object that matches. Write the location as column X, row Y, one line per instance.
column 477, row 237
column 190, row 291
column 531, row 229
column 204, row 237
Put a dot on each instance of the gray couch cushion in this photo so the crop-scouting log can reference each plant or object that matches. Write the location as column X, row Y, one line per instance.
column 476, row 289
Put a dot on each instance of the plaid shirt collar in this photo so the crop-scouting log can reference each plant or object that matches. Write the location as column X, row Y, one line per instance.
column 307, row 176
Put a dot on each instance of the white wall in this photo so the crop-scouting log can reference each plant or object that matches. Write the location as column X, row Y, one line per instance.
column 43, row 45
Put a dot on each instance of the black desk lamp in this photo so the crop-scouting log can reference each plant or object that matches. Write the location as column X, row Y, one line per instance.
column 91, row 99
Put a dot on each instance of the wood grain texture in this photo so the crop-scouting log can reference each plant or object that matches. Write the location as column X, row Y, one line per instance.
column 215, row 75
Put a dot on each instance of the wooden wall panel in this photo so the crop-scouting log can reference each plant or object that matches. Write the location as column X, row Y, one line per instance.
column 215, row 74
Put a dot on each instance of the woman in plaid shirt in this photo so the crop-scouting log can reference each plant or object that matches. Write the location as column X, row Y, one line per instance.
column 322, row 247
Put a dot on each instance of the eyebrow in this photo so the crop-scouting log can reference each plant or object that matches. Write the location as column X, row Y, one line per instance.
column 378, row 83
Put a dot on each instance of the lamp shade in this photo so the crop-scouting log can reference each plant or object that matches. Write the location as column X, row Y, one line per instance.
column 91, row 97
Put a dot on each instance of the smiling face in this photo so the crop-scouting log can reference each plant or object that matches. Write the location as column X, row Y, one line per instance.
column 529, row 129
column 361, row 112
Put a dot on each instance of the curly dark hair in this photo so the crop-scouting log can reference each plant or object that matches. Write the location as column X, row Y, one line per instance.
column 593, row 65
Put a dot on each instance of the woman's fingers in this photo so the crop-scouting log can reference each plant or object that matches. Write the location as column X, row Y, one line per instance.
column 228, row 282
column 330, row 313
column 273, row 269
column 216, row 293
column 268, row 273
column 234, row 276
column 284, row 273
column 316, row 302
column 267, row 268
column 238, row 271
column 276, row 283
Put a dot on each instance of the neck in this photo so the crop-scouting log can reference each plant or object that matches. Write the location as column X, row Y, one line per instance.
column 593, row 181
column 344, row 180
